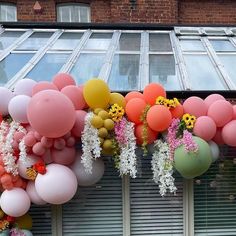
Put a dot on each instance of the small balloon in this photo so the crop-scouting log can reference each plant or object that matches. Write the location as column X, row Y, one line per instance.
column 43, row 85
column 62, row 80
column 24, row 87
column 214, row 150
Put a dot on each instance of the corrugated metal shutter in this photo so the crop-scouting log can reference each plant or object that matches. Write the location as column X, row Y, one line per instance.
column 215, row 198
column 96, row 210
column 150, row 213
column 41, row 216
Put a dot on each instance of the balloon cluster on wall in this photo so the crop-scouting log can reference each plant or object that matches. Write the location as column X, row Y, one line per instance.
column 42, row 123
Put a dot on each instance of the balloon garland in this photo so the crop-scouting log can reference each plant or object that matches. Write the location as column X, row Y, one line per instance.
column 41, row 124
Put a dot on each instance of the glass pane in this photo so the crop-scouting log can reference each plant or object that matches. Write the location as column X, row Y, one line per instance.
column 7, row 12
column 222, row 45
column 87, row 67
column 202, row 74
column 35, row 41
column 67, row 41
column 48, row 66
column 12, row 64
column 129, row 42
column 84, row 14
column 162, row 70
column 215, row 32
column 8, row 37
column 191, row 45
column 99, row 41
column 64, row 14
column 159, row 42
column 124, row 73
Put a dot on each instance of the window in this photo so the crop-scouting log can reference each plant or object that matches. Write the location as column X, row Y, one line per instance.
column 73, row 13
column 7, row 12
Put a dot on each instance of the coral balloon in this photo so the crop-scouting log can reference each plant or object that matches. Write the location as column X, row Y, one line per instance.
column 133, row 94
column 195, row 106
column 152, row 92
column 15, row 202
column 75, row 94
column 118, row 99
column 229, row 132
column 205, row 128
column 33, row 195
column 177, row 112
column 6, row 95
column 79, row 123
column 234, row 112
column 59, row 144
column 218, row 136
column 51, row 113
column 139, row 133
column 96, row 93
column 24, row 87
column 221, row 112
column 65, row 156
column 62, row 80
column 58, row 185
column 212, row 98
column 134, row 109
column 43, row 85
column 159, row 118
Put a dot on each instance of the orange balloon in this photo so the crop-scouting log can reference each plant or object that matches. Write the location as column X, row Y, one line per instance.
column 152, row 92
column 159, row 118
column 178, row 111
column 133, row 94
column 134, row 109
column 151, row 134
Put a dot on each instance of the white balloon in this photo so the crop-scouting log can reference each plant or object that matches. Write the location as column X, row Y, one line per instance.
column 24, row 87
column 214, row 150
column 27, row 232
column 84, row 178
column 33, row 195
column 5, row 96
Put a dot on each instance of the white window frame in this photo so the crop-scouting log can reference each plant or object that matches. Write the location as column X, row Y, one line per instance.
column 8, row 6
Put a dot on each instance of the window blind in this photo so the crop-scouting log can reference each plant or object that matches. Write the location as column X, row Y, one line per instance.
column 215, row 198
column 96, row 210
column 150, row 213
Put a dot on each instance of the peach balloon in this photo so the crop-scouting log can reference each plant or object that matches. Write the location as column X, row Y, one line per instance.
column 177, row 112
column 218, row 136
column 151, row 134
column 133, row 94
column 229, row 132
column 43, row 85
column 195, row 106
column 152, row 92
column 62, row 80
column 212, row 98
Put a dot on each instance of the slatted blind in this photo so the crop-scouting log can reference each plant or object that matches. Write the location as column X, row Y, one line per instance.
column 41, row 216
column 96, row 210
column 150, row 213
column 215, row 198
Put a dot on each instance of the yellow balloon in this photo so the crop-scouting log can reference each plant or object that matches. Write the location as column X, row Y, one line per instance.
column 96, row 93
column 118, row 99
column 1, row 213
column 24, row 222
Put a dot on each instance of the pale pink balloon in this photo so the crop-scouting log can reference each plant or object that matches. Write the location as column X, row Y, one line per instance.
column 62, row 80
column 24, row 87
column 65, row 156
column 59, row 143
column 33, row 195
column 75, row 95
column 18, row 108
column 51, row 113
column 67, row 135
column 38, row 149
column 6, row 95
column 30, row 140
column 218, row 137
column 205, row 128
column 212, row 98
column 70, row 142
column 229, row 133
column 195, row 106
column 234, row 110
column 221, row 112
column 37, row 135
column 79, row 123
column 46, row 142
column 58, row 185
column 43, row 85
column 24, row 164
column 18, row 136
column 47, row 157
column 15, row 202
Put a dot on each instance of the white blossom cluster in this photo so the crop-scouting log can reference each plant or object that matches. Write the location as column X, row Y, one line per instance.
column 128, row 163
column 90, row 144
column 162, row 168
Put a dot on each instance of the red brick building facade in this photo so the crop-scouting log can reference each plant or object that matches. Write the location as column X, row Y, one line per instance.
column 146, row 11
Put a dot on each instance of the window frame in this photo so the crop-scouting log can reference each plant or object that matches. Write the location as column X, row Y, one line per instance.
column 9, row 4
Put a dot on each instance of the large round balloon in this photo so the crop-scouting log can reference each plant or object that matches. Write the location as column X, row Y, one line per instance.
column 62, row 80
column 178, row 111
column 221, row 112
column 212, row 98
column 51, row 113
column 159, row 118
column 6, row 95
column 84, row 178
column 193, row 164
column 96, row 93
column 118, row 99
column 133, row 94
column 140, row 132
column 15, row 202
column 24, row 87
column 43, row 85
column 152, row 91
column 24, row 222
column 229, row 133
column 33, row 195
column 58, row 185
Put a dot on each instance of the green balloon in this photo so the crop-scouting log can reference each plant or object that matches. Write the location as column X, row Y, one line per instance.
column 5, row 232
column 193, row 164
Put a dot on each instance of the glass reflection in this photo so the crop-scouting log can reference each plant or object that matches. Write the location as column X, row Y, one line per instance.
column 98, row 41
column 222, row 45
column 8, row 37
column 129, row 42
column 160, row 42
column 191, row 45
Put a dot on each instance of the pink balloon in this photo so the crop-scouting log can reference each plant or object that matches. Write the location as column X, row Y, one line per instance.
column 6, row 95
column 59, row 143
column 221, row 112
column 43, row 85
column 24, row 87
column 70, row 142
column 205, row 128
column 18, row 136
column 15, row 202
column 75, row 95
column 18, row 108
column 229, row 133
column 58, row 185
column 212, row 98
column 195, row 106
column 79, row 123
column 218, row 136
column 30, row 140
column 51, row 113
column 38, row 149
column 47, row 158
column 234, row 110
column 62, row 80
column 37, row 136
column 65, row 156
column 46, row 142
column 33, row 195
